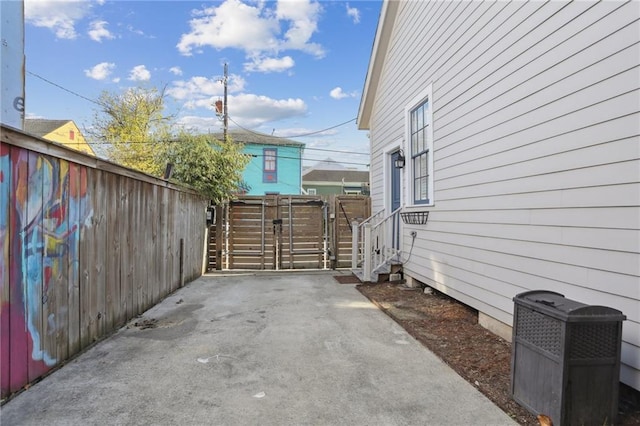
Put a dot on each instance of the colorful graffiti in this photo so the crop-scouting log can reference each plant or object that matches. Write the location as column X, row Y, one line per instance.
column 44, row 209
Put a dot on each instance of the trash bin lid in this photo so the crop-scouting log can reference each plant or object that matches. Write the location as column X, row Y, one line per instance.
column 557, row 306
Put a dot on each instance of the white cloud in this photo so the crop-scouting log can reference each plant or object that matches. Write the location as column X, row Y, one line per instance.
column 231, row 25
column 338, row 93
column 200, row 124
column 139, row 73
column 251, row 110
column 198, row 88
column 100, row 71
column 60, row 16
column 354, row 13
column 175, row 70
column 303, row 18
column 248, row 110
column 259, row 31
column 267, row 65
column 139, row 32
column 116, row 80
column 98, row 31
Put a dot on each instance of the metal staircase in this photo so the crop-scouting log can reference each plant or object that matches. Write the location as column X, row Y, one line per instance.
column 376, row 245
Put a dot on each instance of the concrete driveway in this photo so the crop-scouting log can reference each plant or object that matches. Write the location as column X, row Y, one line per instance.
column 257, row 349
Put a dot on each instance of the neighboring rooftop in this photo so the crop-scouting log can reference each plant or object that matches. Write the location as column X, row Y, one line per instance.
column 41, row 127
column 316, row 175
column 326, row 164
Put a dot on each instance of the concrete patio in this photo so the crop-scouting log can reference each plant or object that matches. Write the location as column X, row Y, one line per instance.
column 286, row 348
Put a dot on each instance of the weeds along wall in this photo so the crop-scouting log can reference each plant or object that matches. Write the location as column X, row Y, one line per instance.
column 86, row 245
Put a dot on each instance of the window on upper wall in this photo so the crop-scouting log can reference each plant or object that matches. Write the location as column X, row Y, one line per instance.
column 72, row 135
column 270, row 165
column 420, row 134
column 311, row 191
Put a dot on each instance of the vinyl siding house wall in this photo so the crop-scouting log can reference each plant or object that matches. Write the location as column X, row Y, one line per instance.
column 335, row 182
column 276, row 163
column 531, row 128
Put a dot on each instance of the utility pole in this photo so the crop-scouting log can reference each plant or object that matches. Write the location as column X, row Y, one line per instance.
column 225, row 113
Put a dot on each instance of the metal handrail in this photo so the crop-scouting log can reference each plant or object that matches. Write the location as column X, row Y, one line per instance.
column 373, row 216
column 370, row 242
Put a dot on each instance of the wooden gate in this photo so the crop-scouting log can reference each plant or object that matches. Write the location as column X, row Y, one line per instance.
column 346, row 208
column 285, row 232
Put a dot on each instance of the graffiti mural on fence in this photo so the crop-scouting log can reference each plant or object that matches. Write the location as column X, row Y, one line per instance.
column 44, row 209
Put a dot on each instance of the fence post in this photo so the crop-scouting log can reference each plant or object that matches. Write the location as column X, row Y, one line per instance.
column 366, row 263
column 181, row 262
column 205, row 252
column 219, row 220
column 355, row 240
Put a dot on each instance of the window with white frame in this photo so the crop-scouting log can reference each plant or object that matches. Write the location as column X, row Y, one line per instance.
column 421, row 148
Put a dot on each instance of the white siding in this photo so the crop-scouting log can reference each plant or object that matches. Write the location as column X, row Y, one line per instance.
column 536, row 120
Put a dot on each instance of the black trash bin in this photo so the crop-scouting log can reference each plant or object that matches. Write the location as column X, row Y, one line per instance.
column 565, row 358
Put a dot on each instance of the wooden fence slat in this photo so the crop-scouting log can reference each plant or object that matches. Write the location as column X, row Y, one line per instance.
column 74, row 272
column 170, row 244
column 136, row 240
column 125, row 253
column 146, row 237
column 219, row 241
column 153, row 215
column 85, row 264
column 7, row 200
column 35, row 251
column 19, row 350
column 60, row 272
column 99, row 230
column 160, row 252
column 120, row 311
column 113, row 242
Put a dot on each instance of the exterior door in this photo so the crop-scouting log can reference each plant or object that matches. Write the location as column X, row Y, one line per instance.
column 395, row 199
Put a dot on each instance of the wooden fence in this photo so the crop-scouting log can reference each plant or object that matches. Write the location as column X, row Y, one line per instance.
column 285, row 232
column 87, row 245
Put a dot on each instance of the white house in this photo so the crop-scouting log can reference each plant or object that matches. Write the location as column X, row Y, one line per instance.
column 519, row 123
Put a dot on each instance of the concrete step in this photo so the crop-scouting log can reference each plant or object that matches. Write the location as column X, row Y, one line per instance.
column 379, row 275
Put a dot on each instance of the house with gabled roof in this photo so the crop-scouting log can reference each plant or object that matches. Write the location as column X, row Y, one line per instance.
column 335, row 182
column 64, row 132
column 275, row 166
column 506, row 135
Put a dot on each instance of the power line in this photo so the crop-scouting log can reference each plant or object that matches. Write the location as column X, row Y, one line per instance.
column 64, row 88
column 336, row 151
column 248, row 130
column 252, row 155
column 294, row 136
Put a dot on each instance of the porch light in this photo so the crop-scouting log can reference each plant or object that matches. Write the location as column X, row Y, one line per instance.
column 399, row 161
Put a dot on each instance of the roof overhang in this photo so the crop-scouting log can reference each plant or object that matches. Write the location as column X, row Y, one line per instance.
column 376, row 62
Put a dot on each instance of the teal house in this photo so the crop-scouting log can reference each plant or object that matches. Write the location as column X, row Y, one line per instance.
column 276, row 163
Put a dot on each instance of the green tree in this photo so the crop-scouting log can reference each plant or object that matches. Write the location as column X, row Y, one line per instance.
column 133, row 123
column 142, row 137
column 211, row 167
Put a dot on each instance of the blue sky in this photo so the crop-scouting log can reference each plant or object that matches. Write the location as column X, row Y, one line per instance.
column 295, row 66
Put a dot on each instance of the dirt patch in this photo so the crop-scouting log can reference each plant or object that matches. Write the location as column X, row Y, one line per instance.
column 451, row 331
column 144, row 324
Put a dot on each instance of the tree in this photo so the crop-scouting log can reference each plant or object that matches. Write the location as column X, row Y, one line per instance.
column 211, row 167
column 142, row 137
column 133, row 124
